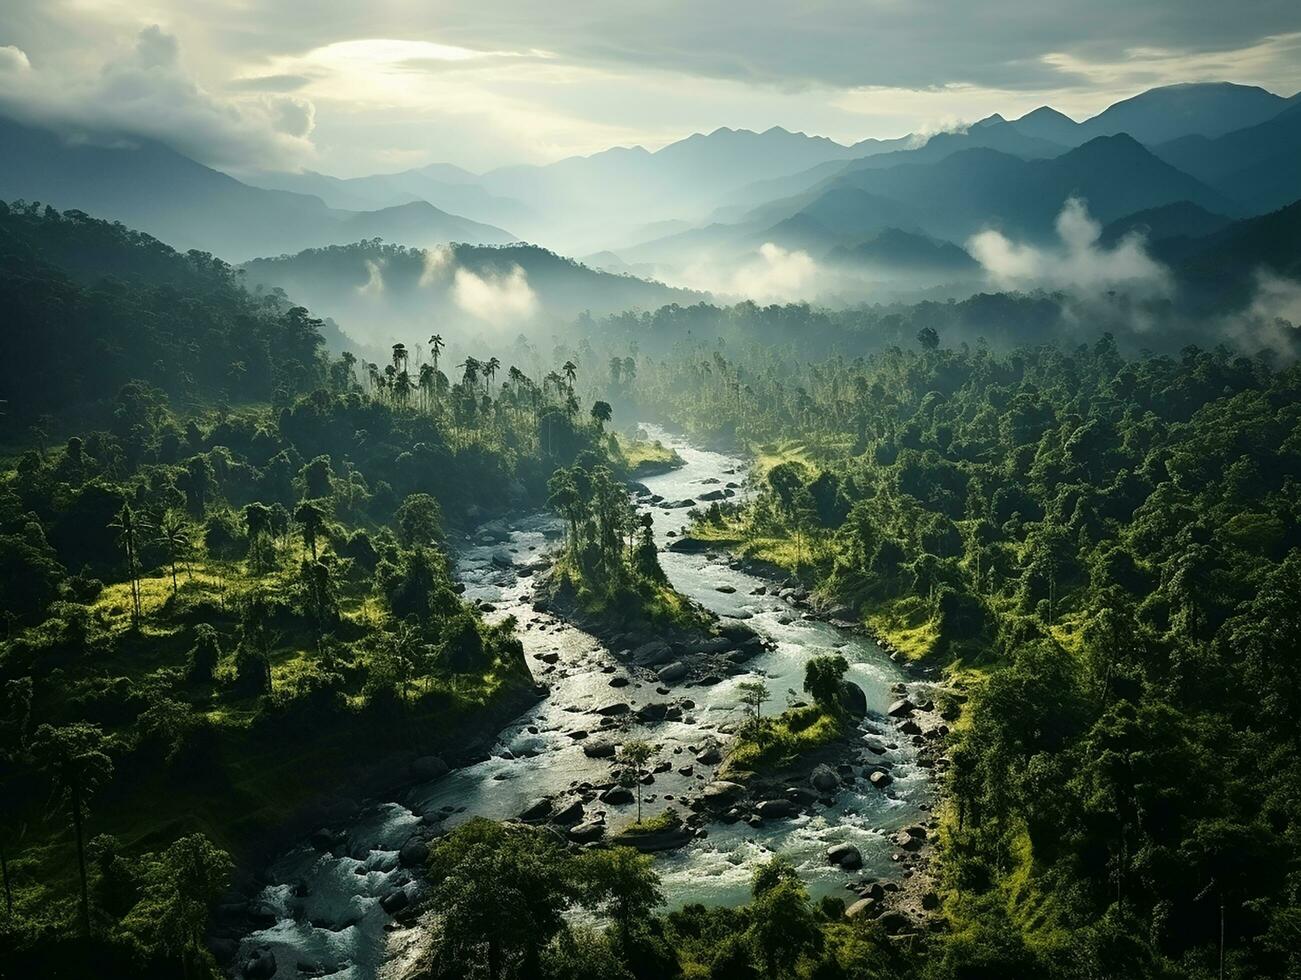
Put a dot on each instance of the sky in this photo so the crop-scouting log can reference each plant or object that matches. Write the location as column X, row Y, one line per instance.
column 350, row 88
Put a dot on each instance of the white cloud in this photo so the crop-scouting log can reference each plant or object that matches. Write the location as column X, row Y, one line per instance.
column 13, row 60
column 374, row 284
column 147, row 92
column 497, row 299
column 1273, row 319
column 1078, row 262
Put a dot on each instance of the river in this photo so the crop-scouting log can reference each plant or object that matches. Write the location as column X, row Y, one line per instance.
column 328, row 920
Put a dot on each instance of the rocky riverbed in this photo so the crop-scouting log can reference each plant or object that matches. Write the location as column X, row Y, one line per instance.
column 341, row 902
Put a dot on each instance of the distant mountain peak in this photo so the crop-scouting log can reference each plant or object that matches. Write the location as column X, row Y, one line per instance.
column 993, row 119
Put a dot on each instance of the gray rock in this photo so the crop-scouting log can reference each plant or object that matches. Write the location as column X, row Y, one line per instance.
column 776, row 809
column 673, row 672
column 429, row 767
column 823, row 779
column 537, row 810
column 846, row 856
column 599, row 749
column 395, row 901
column 587, row 831
column 414, row 853
column 880, row 779
column 721, row 794
column 570, row 814
column 613, row 710
column 901, row 708
column 853, row 699
column 862, row 909
column 260, row 966
column 617, row 795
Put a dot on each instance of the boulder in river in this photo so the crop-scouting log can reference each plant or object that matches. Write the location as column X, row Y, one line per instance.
column 572, row 813
column 776, row 809
column 613, row 710
column 880, row 779
column 600, row 749
column 901, row 708
column 673, row 672
column 823, row 779
column 414, row 853
column 862, row 909
column 846, row 856
column 395, row 901
column 587, row 831
column 853, row 699
column 617, row 795
column 261, row 965
column 652, row 652
column 429, row 767
column 537, row 810
column 721, row 794
column 653, row 711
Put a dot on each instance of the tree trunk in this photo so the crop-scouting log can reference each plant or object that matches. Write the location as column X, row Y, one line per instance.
column 4, row 873
column 81, row 857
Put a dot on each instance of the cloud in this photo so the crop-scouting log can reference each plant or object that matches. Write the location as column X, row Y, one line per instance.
column 374, row 284
column 1077, row 263
column 438, row 263
column 1273, row 318
column 778, row 274
column 146, row 92
column 13, row 60
column 497, row 299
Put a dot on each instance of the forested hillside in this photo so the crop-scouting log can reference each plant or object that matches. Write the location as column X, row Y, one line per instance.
column 91, row 306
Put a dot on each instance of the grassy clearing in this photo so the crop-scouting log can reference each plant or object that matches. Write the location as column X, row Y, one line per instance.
column 906, row 623
column 645, row 458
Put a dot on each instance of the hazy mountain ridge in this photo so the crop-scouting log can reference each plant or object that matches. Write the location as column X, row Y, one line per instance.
column 466, row 289
column 149, row 186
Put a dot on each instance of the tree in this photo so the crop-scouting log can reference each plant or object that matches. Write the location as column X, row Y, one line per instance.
column 176, row 535
column 822, row 680
column 420, row 521
column 928, row 338
column 131, row 529
column 753, row 696
column 636, row 753
column 782, row 923
column 178, row 887
column 623, row 884
column 76, row 759
column 311, row 522
column 501, row 891
column 601, row 413
column 205, row 654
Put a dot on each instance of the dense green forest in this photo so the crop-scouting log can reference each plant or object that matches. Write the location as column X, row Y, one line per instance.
column 225, row 574
column 225, row 562
column 1102, row 554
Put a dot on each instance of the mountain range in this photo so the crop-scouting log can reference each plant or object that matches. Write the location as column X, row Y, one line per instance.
column 150, row 186
column 1178, row 161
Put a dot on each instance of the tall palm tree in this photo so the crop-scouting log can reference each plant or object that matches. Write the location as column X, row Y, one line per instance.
column 176, row 535
column 490, row 372
column 131, row 529
column 74, row 757
column 571, row 372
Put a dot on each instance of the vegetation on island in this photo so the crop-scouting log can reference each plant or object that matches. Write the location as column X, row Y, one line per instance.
column 609, row 567
column 767, row 743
